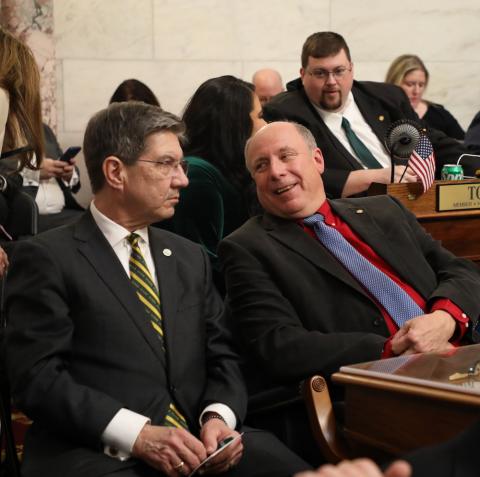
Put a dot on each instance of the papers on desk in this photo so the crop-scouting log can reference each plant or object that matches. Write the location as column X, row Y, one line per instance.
column 428, row 369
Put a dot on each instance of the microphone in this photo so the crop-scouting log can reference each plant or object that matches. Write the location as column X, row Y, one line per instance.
column 401, row 140
column 473, row 168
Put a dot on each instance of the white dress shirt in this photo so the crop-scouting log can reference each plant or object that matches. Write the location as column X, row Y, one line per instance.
column 122, row 431
column 360, row 127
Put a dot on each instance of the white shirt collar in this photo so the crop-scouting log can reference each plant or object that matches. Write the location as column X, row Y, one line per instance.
column 325, row 115
column 115, row 233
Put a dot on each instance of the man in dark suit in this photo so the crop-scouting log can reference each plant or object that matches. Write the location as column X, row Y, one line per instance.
column 298, row 309
column 116, row 347
column 340, row 112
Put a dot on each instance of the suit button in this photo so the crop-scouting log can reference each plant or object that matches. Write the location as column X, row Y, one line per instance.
column 172, row 388
column 377, row 322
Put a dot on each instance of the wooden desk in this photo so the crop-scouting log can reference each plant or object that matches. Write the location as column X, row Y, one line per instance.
column 459, row 231
column 413, row 406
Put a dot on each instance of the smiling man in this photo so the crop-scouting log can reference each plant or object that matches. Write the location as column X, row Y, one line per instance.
column 349, row 119
column 115, row 341
column 316, row 284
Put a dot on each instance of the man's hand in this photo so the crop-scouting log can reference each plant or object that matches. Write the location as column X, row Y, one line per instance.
column 425, row 333
column 409, row 175
column 214, row 431
column 59, row 169
column 165, row 448
column 360, row 468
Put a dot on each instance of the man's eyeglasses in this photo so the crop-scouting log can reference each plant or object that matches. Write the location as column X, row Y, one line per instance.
column 323, row 75
column 168, row 167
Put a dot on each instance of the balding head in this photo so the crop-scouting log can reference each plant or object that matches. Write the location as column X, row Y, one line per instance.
column 268, row 83
column 286, row 164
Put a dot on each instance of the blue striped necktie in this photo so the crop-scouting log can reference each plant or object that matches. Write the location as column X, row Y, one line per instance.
column 148, row 295
column 398, row 304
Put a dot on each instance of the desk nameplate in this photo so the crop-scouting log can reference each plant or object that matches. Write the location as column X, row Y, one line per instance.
column 458, row 196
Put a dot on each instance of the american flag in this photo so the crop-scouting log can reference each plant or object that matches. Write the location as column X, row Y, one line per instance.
column 422, row 162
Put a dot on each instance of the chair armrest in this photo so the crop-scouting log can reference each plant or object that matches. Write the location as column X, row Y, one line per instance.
column 322, row 419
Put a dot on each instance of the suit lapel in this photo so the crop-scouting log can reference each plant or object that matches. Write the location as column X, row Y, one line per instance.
column 94, row 247
column 293, row 237
column 362, row 223
column 373, row 113
column 366, row 226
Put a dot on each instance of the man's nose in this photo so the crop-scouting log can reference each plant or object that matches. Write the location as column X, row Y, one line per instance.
column 180, row 178
column 331, row 79
column 277, row 169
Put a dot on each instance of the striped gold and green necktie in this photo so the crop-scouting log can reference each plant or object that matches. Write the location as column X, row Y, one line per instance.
column 147, row 293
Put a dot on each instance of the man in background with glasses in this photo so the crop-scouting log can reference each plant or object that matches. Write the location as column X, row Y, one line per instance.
column 116, row 345
column 349, row 119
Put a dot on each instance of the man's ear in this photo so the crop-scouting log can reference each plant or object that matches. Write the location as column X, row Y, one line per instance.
column 318, row 158
column 114, row 172
column 302, row 73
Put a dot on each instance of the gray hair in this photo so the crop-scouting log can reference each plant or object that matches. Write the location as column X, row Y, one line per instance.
column 304, row 132
column 121, row 130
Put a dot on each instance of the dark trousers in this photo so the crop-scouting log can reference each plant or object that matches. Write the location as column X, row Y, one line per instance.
column 263, row 456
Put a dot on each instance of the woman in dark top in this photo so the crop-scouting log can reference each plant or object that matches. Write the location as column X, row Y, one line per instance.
column 222, row 114
column 410, row 73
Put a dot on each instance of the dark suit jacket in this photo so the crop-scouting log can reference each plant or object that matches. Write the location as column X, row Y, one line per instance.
column 299, row 312
column 80, row 346
column 380, row 104
column 453, row 458
column 472, row 137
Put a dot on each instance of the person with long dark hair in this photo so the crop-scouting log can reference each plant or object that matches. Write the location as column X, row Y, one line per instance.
column 220, row 117
column 134, row 90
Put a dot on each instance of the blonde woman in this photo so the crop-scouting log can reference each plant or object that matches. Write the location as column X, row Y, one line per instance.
column 409, row 72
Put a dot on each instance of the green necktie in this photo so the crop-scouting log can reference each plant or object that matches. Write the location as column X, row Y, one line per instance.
column 148, row 294
column 362, row 152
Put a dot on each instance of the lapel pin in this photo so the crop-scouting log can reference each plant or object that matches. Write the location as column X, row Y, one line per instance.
column 359, row 211
column 167, row 252
column 381, row 118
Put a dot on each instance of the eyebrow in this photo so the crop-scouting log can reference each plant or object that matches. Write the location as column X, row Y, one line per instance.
column 287, row 149
column 282, row 150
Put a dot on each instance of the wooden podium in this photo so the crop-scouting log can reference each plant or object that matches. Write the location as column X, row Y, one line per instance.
column 401, row 404
column 459, row 231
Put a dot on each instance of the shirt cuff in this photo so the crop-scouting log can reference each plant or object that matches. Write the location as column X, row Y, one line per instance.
column 224, row 411
column 457, row 314
column 121, row 433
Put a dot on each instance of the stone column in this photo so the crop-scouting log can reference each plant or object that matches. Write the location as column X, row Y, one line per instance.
column 32, row 22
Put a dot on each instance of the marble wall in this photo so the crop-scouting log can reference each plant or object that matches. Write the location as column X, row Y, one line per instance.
column 174, row 45
column 32, row 22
